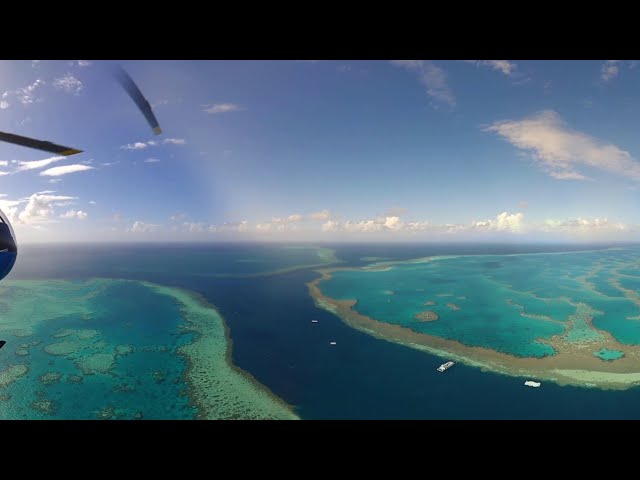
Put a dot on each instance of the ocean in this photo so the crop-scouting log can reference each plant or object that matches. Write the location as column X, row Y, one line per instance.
column 261, row 292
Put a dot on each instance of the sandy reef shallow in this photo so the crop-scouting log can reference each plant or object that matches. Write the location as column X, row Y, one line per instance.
column 218, row 388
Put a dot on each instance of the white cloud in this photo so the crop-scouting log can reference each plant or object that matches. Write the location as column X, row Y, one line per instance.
column 35, row 63
column 65, row 170
column 321, row 215
column 141, row 227
column 503, row 222
column 92, row 202
column 223, row 108
column 69, row 84
column 504, row 66
column 40, row 208
column 4, row 163
column 432, row 77
column 330, row 226
column 55, row 180
column 582, row 225
column 4, row 104
column 79, row 215
column 134, row 146
column 35, row 164
column 560, row 150
column 609, row 70
column 3, row 173
column 153, row 143
column 151, row 160
column 294, row 218
column 174, row 141
column 25, row 95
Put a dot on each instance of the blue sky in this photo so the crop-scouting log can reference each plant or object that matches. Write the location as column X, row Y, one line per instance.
column 325, row 150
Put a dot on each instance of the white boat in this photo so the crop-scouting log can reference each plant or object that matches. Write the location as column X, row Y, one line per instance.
column 314, row 321
column 332, row 343
column 446, row 366
column 531, row 383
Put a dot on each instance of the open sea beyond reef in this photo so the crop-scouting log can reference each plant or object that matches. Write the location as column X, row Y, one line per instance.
column 130, row 331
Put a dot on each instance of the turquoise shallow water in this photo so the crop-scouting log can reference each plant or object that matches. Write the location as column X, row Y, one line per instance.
column 502, row 302
column 609, row 355
column 119, row 358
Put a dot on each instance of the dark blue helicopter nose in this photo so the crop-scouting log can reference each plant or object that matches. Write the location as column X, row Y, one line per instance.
column 8, row 246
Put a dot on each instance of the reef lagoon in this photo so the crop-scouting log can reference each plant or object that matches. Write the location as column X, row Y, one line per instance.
column 572, row 317
column 111, row 348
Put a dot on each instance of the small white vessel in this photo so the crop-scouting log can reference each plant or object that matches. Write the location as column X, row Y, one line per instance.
column 332, row 343
column 446, row 366
column 314, row 321
column 531, row 383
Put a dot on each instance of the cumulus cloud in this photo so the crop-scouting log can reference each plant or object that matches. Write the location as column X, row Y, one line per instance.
column 65, row 170
column 322, row 215
column 560, row 151
column 68, row 83
column 582, row 225
column 92, row 202
column 432, row 77
column 75, row 214
column 503, row 222
column 134, row 146
column 142, row 227
column 4, row 104
column 40, row 208
column 609, row 70
column 4, row 163
column 504, row 66
column 223, row 108
column 330, row 226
